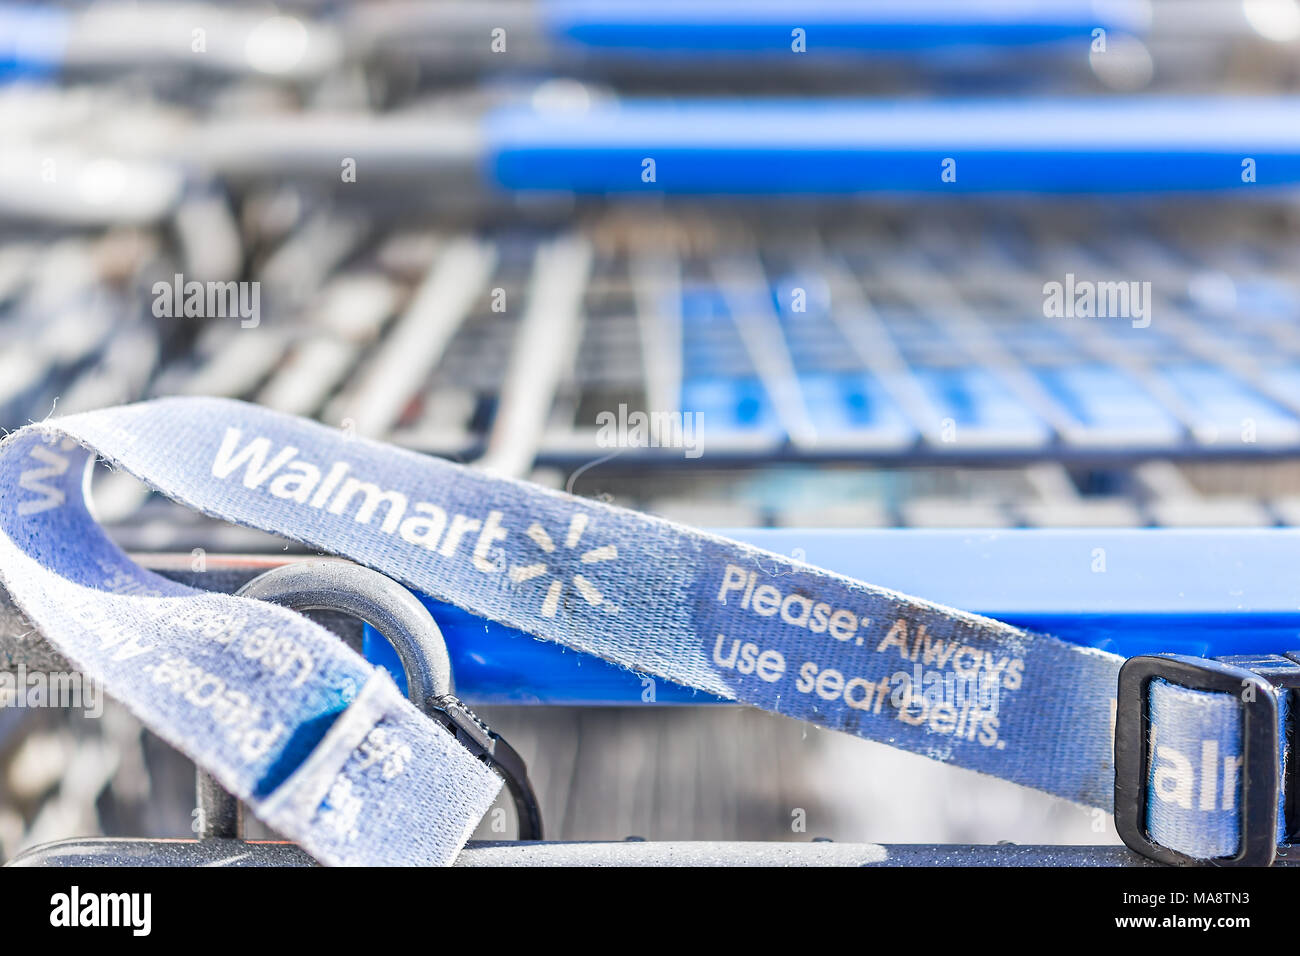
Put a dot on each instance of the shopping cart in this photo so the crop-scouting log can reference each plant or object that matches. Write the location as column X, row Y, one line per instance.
column 859, row 343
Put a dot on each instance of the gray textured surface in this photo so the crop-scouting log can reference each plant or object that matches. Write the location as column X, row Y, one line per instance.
column 481, row 854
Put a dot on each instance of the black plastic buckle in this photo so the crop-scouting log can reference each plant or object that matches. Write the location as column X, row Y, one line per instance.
column 1260, row 768
column 491, row 748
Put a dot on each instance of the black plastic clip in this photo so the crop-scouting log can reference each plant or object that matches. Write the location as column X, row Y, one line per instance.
column 1261, row 788
column 491, row 748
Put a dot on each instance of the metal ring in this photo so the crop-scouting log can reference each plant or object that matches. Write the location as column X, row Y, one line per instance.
column 375, row 598
column 397, row 614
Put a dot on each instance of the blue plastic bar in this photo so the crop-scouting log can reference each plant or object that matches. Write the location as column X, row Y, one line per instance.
column 1111, row 405
column 732, row 404
column 765, row 27
column 1127, row 591
column 845, row 404
column 979, row 404
column 1223, row 401
column 718, row 378
column 1113, row 145
column 32, row 40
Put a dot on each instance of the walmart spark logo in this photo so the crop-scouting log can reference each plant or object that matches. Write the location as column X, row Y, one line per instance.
column 579, row 582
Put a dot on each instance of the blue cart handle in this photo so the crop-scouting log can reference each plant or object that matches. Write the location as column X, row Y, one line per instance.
column 768, row 27
column 1093, row 145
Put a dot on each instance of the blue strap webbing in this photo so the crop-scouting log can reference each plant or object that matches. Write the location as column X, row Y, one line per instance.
column 326, row 750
